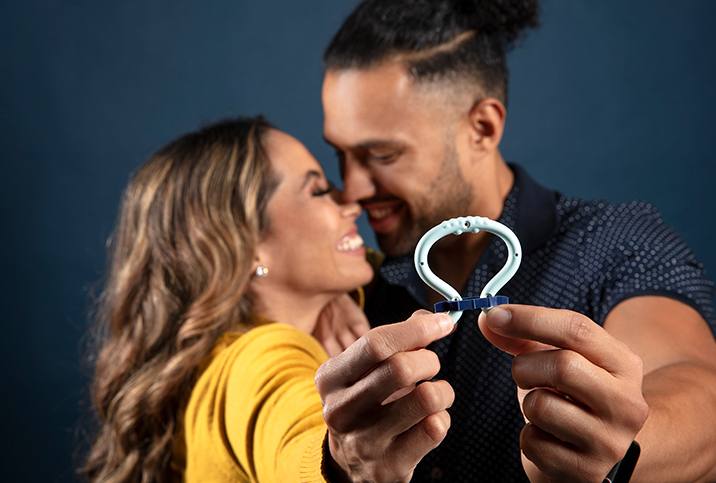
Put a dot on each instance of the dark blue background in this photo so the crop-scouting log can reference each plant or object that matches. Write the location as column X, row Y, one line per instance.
column 608, row 99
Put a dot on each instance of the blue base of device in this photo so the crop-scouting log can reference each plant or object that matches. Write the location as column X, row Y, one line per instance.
column 471, row 303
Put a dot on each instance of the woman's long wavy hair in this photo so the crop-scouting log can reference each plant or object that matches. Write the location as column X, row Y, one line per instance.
column 180, row 264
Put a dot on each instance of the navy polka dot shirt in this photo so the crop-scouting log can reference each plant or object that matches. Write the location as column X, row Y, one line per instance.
column 577, row 255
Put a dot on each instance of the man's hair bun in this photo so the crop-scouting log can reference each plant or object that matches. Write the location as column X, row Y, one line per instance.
column 439, row 39
column 507, row 19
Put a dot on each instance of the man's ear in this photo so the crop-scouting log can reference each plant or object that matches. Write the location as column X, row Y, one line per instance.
column 487, row 123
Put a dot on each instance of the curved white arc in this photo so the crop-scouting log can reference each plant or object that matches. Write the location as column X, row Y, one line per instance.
column 458, row 226
column 421, row 265
column 514, row 257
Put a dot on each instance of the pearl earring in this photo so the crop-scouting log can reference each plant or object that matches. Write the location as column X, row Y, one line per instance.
column 261, row 271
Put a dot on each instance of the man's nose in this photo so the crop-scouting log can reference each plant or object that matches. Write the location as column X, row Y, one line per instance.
column 358, row 183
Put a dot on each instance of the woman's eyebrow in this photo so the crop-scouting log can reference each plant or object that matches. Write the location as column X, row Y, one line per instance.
column 311, row 174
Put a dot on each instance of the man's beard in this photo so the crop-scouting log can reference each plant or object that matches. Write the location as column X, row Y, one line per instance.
column 448, row 196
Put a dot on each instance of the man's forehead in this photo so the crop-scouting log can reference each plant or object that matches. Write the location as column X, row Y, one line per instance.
column 385, row 75
column 376, row 105
column 361, row 91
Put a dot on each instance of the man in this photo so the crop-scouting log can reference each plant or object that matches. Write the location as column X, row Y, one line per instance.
column 414, row 100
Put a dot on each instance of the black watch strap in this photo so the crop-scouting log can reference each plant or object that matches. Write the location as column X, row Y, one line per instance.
column 621, row 473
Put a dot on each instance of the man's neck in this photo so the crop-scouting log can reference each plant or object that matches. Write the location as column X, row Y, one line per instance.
column 454, row 260
column 454, row 257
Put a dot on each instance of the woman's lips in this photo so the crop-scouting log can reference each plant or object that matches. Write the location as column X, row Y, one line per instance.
column 350, row 243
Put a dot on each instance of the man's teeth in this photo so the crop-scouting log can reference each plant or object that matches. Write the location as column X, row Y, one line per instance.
column 349, row 243
column 379, row 213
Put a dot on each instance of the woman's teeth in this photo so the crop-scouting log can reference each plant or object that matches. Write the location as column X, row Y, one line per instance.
column 349, row 243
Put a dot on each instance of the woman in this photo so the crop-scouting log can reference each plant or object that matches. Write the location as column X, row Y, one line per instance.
column 229, row 246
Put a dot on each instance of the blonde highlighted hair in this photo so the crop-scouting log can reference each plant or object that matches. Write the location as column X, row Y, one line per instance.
column 181, row 260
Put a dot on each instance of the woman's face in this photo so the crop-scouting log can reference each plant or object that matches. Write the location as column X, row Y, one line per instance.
column 311, row 244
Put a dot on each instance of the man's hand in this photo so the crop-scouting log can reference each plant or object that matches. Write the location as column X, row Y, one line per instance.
column 381, row 422
column 580, row 391
column 340, row 324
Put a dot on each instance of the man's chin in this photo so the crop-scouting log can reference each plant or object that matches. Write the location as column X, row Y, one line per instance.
column 402, row 242
column 396, row 246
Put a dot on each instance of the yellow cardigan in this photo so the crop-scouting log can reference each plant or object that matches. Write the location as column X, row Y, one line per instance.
column 254, row 414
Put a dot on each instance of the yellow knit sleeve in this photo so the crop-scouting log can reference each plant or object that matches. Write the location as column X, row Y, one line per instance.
column 265, row 411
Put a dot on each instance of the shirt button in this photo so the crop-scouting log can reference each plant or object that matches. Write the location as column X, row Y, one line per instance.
column 436, row 473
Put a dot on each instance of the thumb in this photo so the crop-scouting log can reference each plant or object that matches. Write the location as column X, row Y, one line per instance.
column 492, row 323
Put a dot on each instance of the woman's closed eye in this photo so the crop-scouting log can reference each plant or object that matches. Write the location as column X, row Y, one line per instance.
column 324, row 190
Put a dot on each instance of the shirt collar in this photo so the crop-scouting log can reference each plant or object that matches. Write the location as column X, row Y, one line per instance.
column 535, row 211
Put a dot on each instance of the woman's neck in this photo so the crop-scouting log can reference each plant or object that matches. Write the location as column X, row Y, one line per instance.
column 298, row 310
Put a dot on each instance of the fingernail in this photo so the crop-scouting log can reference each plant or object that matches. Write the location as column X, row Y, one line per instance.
column 498, row 317
column 445, row 323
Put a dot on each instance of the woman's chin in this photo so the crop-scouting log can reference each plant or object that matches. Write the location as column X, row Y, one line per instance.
column 364, row 275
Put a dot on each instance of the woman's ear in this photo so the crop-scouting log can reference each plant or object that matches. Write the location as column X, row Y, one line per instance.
column 262, row 261
column 258, row 268
column 487, row 124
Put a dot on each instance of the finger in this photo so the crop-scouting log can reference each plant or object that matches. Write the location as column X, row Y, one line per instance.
column 349, row 407
column 328, row 340
column 401, row 456
column 401, row 370
column 561, row 417
column 426, row 399
column 511, row 345
column 560, row 461
column 411, row 446
column 379, row 344
column 360, row 327
column 569, row 373
column 398, row 394
column 354, row 317
column 554, row 458
column 345, row 338
column 332, row 346
column 523, row 328
column 533, row 473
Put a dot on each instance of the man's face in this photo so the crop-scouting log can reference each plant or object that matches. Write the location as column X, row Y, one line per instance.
column 397, row 152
